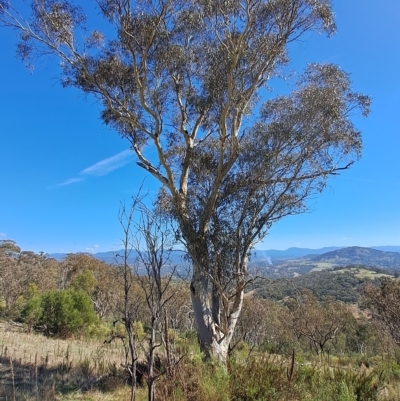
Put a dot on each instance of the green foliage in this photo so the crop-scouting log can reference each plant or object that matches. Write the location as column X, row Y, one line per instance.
column 264, row 379
column 32, row 291
column 61, row 313
column 196, row 380
column 99, row 330
column 31, row 313
column 258, row 380
column 85, row 282
column 66, row 312
column 340, row 284
column 384, row 303
column 138, row 330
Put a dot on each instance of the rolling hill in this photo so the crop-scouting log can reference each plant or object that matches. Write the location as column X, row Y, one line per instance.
column 356, row 255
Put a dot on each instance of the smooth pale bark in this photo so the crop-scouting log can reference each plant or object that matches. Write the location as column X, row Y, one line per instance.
column 215, row 321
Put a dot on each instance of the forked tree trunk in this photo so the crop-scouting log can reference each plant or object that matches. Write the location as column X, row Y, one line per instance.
column 215, row 321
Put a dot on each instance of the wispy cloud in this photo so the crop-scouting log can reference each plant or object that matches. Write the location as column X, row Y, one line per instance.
column 93, row 248
column 3, row 235
column 103, row 167
column 69, row 181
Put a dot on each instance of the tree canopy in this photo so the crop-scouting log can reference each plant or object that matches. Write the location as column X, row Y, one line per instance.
column 187, row 77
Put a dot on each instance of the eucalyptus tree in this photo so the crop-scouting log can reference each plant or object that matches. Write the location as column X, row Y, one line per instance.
column 187, row 79
column 19, row 270
column 319, row 323
column 82, row 271
column 10, row 276
column 384, row 304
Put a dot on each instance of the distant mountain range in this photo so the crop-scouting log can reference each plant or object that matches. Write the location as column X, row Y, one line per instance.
column 380, row 256
column 295, row 253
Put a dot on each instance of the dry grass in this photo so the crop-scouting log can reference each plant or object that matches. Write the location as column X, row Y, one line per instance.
column 33, row 367
column 363, row 273
column 36, row 368
column 322, row 266
column 23, row 347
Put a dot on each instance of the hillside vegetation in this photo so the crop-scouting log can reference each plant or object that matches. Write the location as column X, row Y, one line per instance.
column 317, row 336
column 357, row 256
column 360, row 256
column 341, row 283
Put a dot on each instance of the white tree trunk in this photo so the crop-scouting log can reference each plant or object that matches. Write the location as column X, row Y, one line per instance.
column 214, row 327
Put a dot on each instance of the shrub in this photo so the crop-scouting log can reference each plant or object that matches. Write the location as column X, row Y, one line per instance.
column 264, row 379
column 32, row 312
column 62, row 313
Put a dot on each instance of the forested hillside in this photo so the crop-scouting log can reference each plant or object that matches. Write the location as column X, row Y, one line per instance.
column 360, row 256
column 342, row 283
column 315, row 314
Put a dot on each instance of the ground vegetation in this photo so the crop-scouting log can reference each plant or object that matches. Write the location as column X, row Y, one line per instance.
column 293, row 348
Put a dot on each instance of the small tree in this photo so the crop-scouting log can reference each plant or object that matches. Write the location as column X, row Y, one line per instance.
column 32, row 310
column 11, row 277
column 262, row 323
column 131, row 303
column 148, row 240
column 85, row 282
column 84, row 272
column 319, row 323
column 384, row 303
column 62, row 313
column 18, row 270
column 153, row 243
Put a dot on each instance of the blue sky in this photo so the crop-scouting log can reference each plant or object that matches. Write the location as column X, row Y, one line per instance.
column 63, row 173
